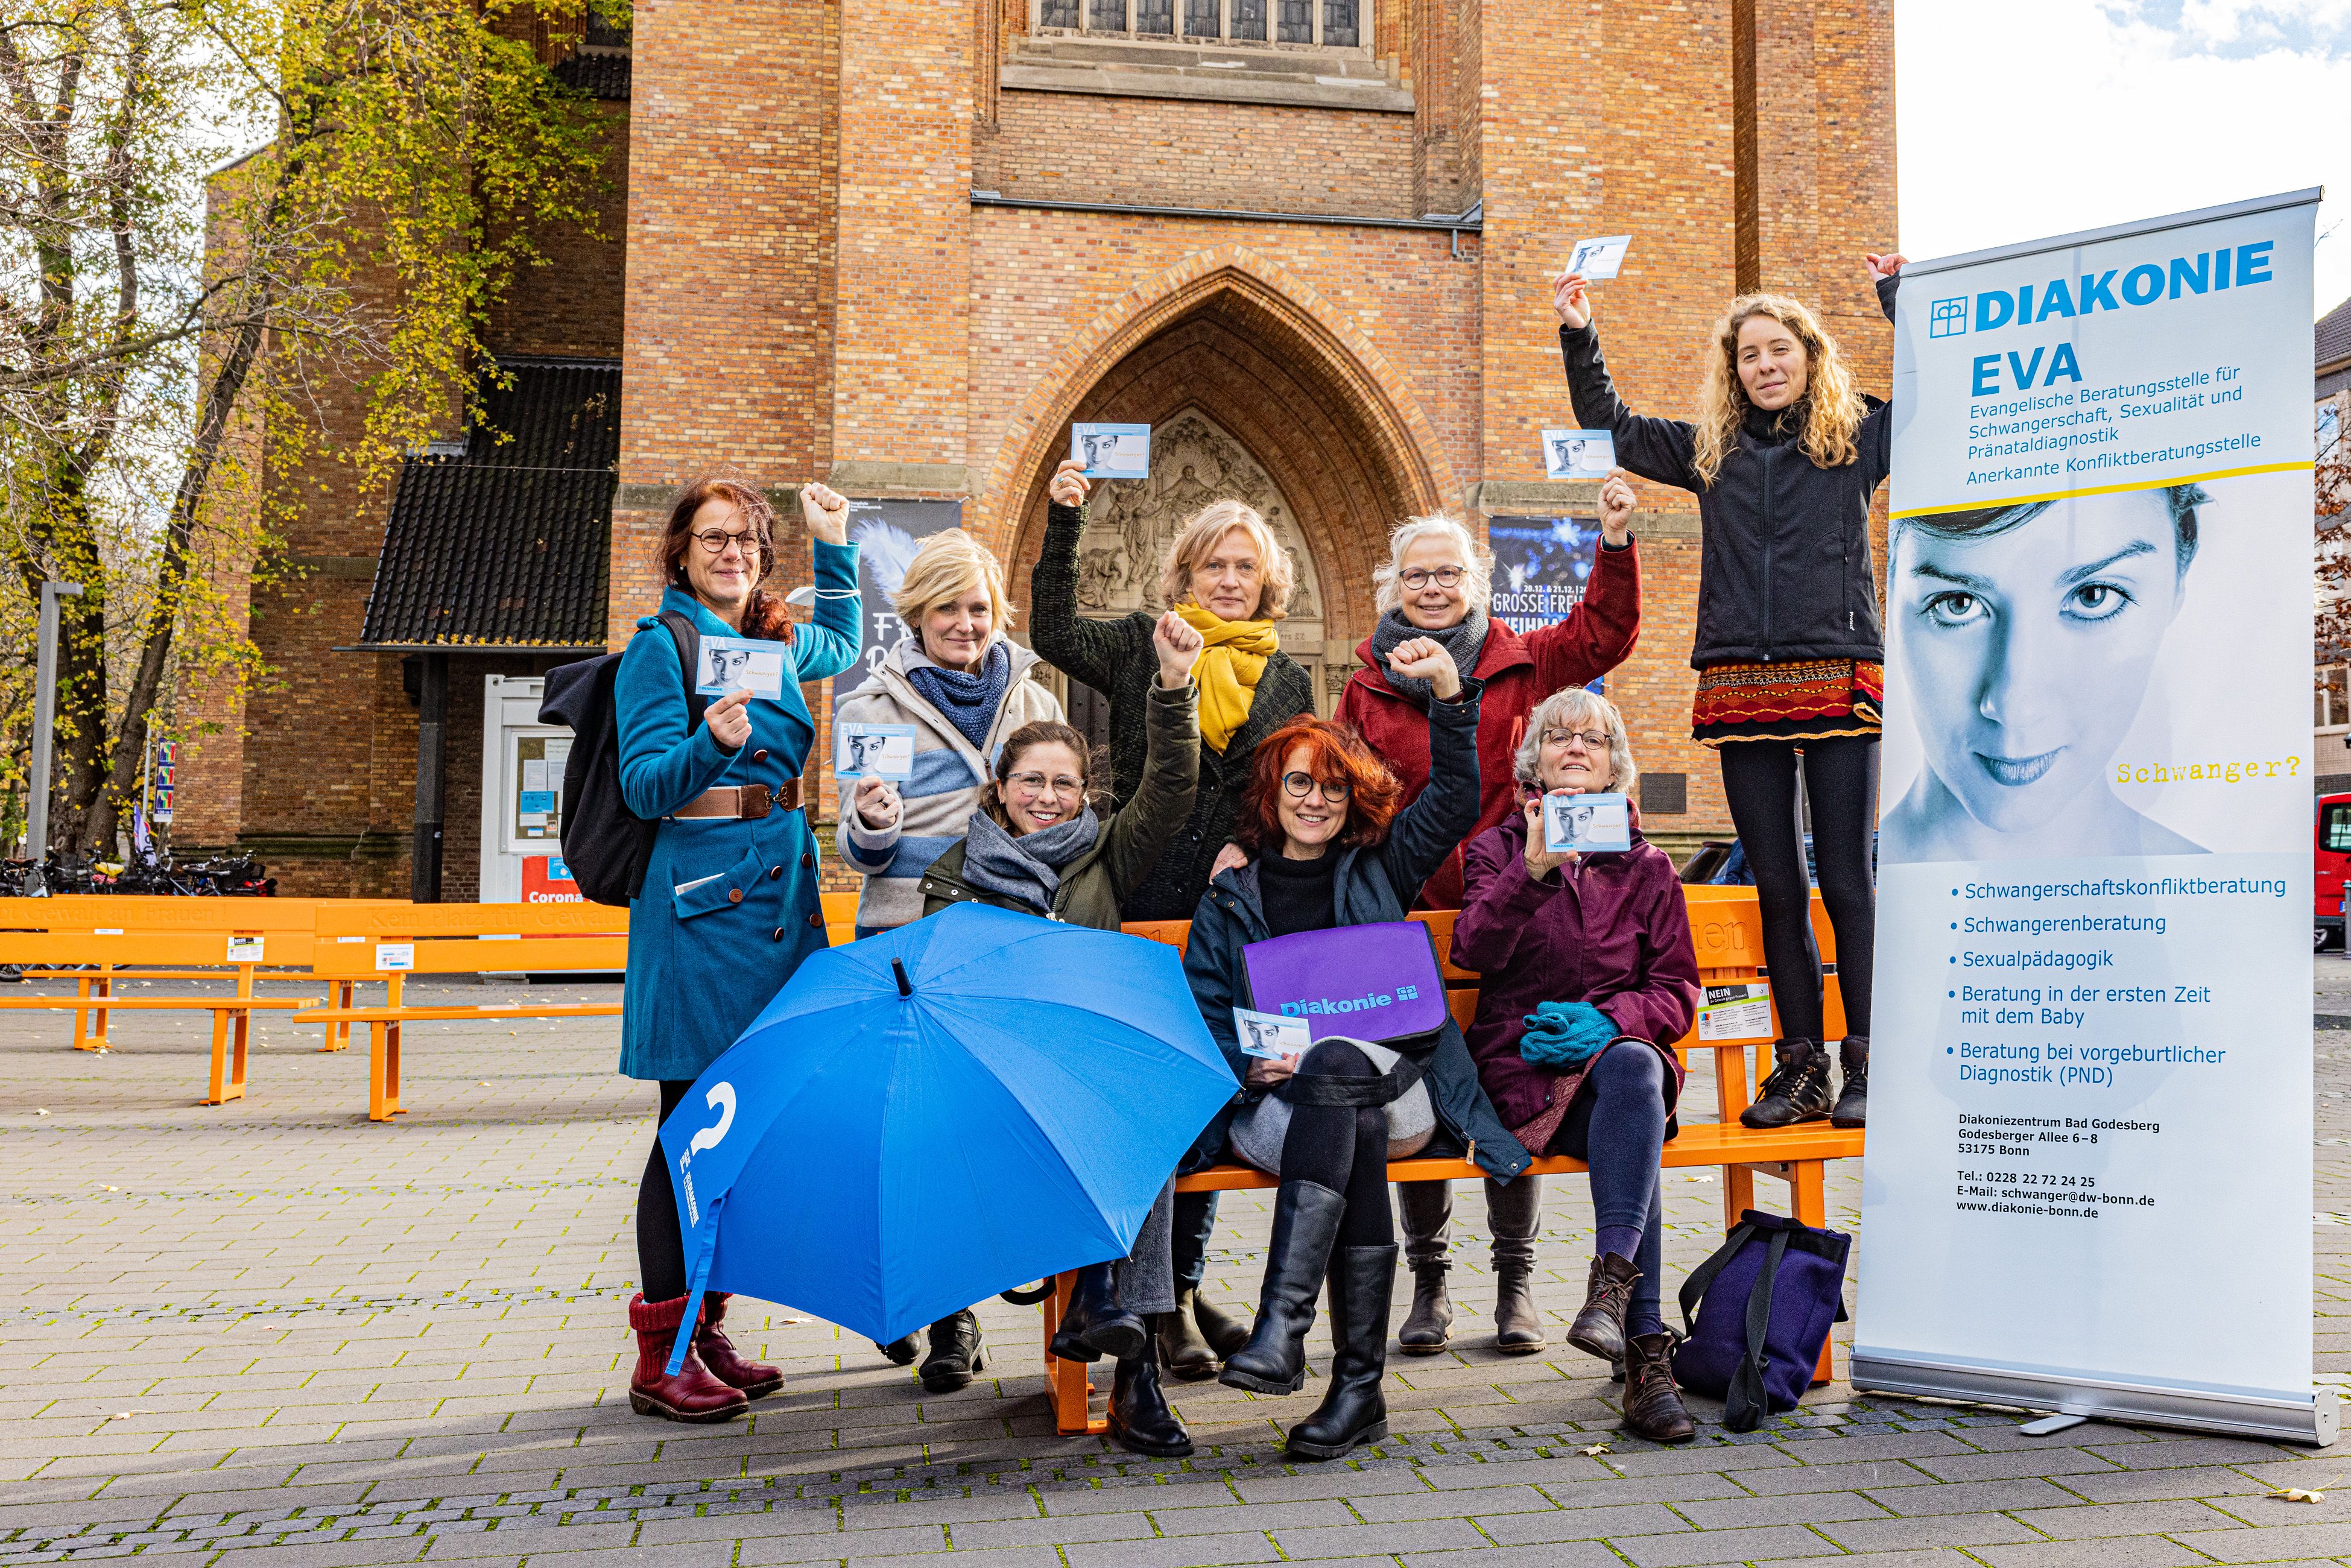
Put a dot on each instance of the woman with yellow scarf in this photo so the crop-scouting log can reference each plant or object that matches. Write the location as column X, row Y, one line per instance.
column 1230, row 580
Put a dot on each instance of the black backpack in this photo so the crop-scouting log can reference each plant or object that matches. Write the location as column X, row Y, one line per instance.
column 605, row 845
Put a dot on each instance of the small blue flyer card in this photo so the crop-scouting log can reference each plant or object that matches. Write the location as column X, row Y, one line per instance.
column 1112, row 451
column 874, row 751
column 1599, row 259
column 1587, row 823
column 1578, row 454
column 740, row 663
column 1270, row 1035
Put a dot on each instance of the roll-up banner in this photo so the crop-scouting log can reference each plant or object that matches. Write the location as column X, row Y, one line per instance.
column 2088, row 1180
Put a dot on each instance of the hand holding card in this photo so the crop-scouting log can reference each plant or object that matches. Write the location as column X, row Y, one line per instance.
column 1598, row 260
column 1586, row 825
column 1112, row 451
column 740, row 665
column 874, row 751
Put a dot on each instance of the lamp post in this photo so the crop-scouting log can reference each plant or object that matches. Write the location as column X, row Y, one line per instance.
column 45, row 714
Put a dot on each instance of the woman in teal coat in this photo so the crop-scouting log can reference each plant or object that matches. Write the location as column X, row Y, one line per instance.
column 729, row 906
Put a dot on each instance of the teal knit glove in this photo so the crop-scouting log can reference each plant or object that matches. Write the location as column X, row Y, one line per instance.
column 1566, row 1035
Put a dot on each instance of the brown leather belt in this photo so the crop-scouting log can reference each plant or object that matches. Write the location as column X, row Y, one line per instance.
column 746, row 802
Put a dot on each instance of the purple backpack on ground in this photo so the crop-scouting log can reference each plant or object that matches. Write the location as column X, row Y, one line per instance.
column 1764, row 1305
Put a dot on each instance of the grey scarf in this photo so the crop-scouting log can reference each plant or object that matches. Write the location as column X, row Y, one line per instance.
column 1465, row 640
column 1025, row 869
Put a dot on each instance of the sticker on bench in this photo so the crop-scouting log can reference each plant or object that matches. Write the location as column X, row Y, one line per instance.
column 350, row 938
column 395, row 955
column 108, row 931
column 1736, row 1013
column 245, row 949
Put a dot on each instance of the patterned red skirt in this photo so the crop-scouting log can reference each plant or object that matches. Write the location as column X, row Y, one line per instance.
column 1811, row 701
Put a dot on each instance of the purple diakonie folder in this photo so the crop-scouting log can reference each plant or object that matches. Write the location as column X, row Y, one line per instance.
column 1373, row 982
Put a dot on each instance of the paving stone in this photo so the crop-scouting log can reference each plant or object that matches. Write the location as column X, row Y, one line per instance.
column 1702, row 1546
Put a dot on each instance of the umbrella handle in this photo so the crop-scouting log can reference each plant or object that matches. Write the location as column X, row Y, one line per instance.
column 1028, row 1297
column 690, row 1321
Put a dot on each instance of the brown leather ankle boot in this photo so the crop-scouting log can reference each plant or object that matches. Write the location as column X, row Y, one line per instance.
column 1183, row 1354
column 1599, row 1328
column 756, row 1379
column 694, row 1393
column 1514, row 1214
column 1653, row 1404
column 1427, row 1209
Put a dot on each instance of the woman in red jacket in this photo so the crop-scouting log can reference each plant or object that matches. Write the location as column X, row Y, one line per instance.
column 1436, row 583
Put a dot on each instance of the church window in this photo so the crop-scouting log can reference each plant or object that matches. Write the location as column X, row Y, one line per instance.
column 1325, row 24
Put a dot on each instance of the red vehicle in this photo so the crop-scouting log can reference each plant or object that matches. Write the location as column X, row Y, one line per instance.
column 2331, row 839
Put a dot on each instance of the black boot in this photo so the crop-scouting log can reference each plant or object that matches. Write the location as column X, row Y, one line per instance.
column 901, row 1351
column 1095, row 1325
column 1181, row 1350
column 1353, row 1411
column 1514, row 1214
column 1426, row 1207
column 1797, row 1091
column 955, row 1356
column 1140, row 1421
column 1306, row 1218
column 1653, row 1405
column 1853, row 1100
column 1224, row 1331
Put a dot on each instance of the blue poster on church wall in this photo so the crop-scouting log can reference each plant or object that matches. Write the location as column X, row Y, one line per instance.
column 1541, row 567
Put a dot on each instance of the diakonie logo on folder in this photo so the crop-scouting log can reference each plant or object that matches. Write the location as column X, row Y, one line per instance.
column 1366, row 982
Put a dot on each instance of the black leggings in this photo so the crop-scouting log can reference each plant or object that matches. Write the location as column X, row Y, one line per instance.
column 1343, row 1147
column 661, row 1254
column 1841, row 780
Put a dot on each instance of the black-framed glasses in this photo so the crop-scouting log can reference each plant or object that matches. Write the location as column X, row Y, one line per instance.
column 713, row 541
column 1420, row 577
column 1594, row 740
column 1298, row 786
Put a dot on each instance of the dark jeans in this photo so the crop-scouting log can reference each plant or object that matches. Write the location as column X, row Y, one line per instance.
column 1841, row 780
column 661, row 1253
column 1195, row 1222
column 1617, row 1125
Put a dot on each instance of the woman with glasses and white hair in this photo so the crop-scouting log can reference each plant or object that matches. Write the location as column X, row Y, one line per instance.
column 1437, row 584
column 1588, row 976
column 1229, row 578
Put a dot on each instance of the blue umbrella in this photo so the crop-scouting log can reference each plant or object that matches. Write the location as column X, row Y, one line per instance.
column 925, row 1117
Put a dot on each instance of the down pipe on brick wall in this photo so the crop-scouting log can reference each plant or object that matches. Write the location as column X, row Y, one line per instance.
column 1456, row 223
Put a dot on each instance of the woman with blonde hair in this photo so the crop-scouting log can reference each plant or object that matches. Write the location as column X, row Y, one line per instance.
column 1783, row 458
column 962, row 686
column 1230, row 580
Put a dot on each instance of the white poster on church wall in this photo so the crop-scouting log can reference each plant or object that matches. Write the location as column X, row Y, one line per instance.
column 2088, row 1179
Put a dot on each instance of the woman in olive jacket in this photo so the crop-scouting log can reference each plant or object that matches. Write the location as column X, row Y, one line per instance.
column 1037, row 847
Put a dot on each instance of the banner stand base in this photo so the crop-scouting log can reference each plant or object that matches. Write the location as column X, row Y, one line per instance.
column 2049, row 1424
column 2314, row 1421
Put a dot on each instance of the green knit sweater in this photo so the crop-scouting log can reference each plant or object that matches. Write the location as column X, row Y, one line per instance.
column 1115, row 658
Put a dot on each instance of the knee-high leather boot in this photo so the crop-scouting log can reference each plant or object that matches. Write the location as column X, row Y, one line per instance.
column 1353, row 1411
column 1305, row 1225
column 1514, row 1210
column 1426, row 1207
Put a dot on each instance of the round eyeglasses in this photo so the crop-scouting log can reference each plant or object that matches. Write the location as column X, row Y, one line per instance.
column 1298, row 786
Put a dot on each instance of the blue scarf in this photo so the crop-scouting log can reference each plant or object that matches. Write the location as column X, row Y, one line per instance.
column 969, row 702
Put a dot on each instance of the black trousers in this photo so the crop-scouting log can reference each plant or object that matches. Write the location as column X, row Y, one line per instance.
column 1840, row 781
column 661, row 1252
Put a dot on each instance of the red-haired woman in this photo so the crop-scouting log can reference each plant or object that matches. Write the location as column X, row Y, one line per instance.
column 1329, row 849
column 729, row 904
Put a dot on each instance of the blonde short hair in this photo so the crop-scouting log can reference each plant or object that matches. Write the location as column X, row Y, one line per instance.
column 1205, row 532
column 1569, row 708
column 949, row 566
column 1477, row 587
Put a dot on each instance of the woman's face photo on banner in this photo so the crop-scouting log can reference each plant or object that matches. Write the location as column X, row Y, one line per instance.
column 2040, row 648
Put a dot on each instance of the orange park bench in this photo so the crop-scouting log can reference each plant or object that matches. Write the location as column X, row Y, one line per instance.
column 388, row 943
column 1797, row 1155
column 99, row 941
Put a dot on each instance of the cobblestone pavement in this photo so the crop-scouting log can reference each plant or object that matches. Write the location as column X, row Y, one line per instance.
column 270, row 1332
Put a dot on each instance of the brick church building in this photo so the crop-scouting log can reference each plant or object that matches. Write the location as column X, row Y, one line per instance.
column 901, row 245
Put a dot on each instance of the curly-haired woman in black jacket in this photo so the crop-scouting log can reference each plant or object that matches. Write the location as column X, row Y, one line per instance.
column 1783, row 457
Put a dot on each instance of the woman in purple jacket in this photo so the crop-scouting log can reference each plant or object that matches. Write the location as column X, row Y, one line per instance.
column 1588, row 976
